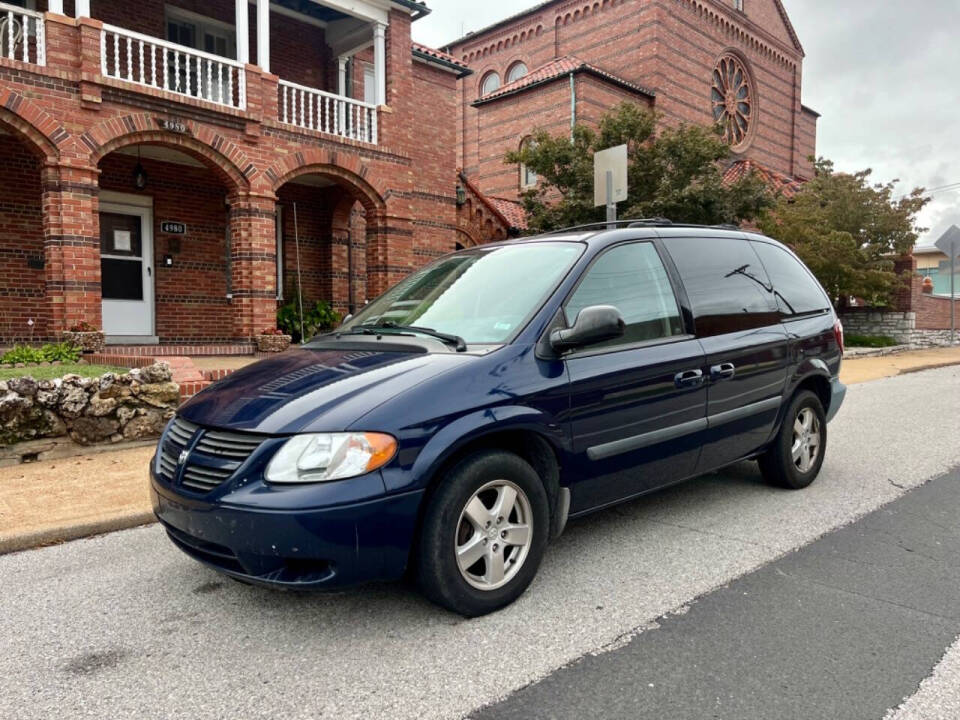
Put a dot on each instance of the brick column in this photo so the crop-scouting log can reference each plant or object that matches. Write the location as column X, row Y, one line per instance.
column 389, row 252
column 253, row 263
column 89, row 44
column 71, row 235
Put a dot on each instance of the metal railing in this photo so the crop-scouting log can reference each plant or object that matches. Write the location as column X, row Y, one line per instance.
column 151, row 62
column 22, row 35
column 325, row 112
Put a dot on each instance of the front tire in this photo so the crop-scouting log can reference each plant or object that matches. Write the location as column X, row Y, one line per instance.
column 796, row 456
column 484, row 533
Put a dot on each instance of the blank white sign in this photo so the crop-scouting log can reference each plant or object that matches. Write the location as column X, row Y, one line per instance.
column 614, row 160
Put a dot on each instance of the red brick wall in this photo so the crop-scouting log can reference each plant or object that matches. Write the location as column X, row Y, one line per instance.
column 21, row 239
column 405, row 185
column 670, row 46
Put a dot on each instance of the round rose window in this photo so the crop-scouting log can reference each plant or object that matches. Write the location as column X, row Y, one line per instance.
column 733, row 100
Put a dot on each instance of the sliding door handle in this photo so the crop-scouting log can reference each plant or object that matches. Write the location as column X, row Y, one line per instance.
column 689, row 379
column 726, row 371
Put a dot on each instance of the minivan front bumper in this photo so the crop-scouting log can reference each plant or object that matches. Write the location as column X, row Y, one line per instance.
column 295, row 549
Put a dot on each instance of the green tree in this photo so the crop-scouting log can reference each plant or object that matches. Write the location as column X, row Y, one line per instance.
column 673, row 172
column 849, row 231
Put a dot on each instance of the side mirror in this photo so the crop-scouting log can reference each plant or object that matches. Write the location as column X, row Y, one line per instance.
column 595, row 324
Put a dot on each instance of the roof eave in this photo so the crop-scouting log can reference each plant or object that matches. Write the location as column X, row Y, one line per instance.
column 441, row 64
column 418, row 9
column 576, row 71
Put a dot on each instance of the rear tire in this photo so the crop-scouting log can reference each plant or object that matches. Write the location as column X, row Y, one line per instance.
column 796, row 456
column 484, row 533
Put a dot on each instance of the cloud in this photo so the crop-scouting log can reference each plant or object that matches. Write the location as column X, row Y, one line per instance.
column 881, row 73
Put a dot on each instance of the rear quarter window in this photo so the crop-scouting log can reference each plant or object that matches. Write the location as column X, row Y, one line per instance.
column 726, row 283
column 796, row 290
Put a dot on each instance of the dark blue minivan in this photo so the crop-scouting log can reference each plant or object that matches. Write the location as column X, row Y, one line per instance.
column 454, row 425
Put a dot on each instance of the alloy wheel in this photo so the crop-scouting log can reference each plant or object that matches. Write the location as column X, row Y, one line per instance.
column 493, row 535
column 807, row 439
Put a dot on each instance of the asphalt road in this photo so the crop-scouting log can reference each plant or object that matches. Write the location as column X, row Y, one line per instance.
column 126, row 626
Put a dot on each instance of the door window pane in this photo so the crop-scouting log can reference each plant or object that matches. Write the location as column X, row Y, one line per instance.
column 120, row 235
column 121, row 279
column 795, row 287
column 726, row 283
column 632, row 279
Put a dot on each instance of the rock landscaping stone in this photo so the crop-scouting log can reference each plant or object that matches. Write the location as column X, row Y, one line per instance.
column 110, row 408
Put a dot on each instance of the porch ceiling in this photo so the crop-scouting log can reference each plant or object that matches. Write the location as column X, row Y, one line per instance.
column 312, row 9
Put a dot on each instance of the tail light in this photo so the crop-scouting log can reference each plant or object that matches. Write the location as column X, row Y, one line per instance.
column 838, row 333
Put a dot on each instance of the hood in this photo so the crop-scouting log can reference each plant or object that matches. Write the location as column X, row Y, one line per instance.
column 315, row 390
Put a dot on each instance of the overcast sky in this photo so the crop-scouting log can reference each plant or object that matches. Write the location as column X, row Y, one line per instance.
column 885, row 75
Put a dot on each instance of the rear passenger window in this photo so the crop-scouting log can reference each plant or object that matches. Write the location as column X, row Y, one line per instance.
column 795, row 287
column 632, row 279
column 728, row 288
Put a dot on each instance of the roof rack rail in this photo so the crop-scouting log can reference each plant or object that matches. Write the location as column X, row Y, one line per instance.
column 604, row 225
column 641, row 222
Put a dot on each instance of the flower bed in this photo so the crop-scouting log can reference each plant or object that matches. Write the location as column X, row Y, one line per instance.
column 109, row 408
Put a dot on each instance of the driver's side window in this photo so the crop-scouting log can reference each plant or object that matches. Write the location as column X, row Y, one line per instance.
column 633, row 279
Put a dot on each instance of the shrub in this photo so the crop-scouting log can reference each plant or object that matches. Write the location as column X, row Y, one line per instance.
column 869, row 341
column 63, row 352
column 23, row 354
column 318, row 318
column 273, row 331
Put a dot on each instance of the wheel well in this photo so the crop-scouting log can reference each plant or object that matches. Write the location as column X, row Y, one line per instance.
column 529, row 445
column 819, row 385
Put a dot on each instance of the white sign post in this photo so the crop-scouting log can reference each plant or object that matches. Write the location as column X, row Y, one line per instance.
column 949, row 244
column 610, row 179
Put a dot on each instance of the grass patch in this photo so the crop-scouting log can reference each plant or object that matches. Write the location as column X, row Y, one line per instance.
column 55, row 371
column 869, row 341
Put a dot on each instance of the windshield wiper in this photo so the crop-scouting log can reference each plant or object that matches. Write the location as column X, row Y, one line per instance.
column 458, row 342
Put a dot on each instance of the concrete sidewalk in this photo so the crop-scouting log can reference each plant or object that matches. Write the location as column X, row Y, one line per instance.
column 58, row 500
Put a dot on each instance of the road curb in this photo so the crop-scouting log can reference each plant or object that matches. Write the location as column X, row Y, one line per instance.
column 53, row 536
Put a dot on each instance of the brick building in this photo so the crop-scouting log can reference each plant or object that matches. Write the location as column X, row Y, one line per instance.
column 736, row 62
column 169, row 169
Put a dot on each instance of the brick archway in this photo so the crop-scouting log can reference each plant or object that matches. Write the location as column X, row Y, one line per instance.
column 353, row 181
column 220, row 155
column 24, row 118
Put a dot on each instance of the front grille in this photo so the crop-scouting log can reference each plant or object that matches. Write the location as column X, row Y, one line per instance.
column 214, row 455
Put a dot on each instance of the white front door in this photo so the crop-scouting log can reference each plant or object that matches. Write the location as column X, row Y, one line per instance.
column 126, row 271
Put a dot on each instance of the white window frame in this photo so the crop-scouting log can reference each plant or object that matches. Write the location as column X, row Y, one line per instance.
column 279, row 233
column 525, row 173
column 369, row 82
column 519, row 63
column 204, row 24
column 738, row 5
column 483, row 83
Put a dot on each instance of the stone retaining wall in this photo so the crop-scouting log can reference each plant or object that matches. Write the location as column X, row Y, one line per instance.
column 111, row 408
column 901, row 326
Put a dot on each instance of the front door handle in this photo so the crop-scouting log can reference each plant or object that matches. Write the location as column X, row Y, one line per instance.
column 726, row 371
column 689, row 379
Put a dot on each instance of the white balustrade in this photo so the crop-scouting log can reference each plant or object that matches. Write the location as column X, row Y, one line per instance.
column 325, row 112
column 151, row 62
column 22, row 35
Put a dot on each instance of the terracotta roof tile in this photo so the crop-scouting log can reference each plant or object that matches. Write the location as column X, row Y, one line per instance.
column 558, row 68
column 439, row 55
column 778, row 182
column 512, row 211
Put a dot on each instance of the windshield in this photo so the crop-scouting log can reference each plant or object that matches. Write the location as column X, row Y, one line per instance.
column 482, row 295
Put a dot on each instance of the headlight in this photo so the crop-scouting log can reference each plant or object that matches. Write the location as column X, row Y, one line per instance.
column 330, row 456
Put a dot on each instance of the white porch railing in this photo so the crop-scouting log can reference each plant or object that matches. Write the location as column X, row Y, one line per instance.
column 151, row 62
column 314, row 109
column 22, row 35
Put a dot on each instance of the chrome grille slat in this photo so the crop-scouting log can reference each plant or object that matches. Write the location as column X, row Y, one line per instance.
column 214, row 458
